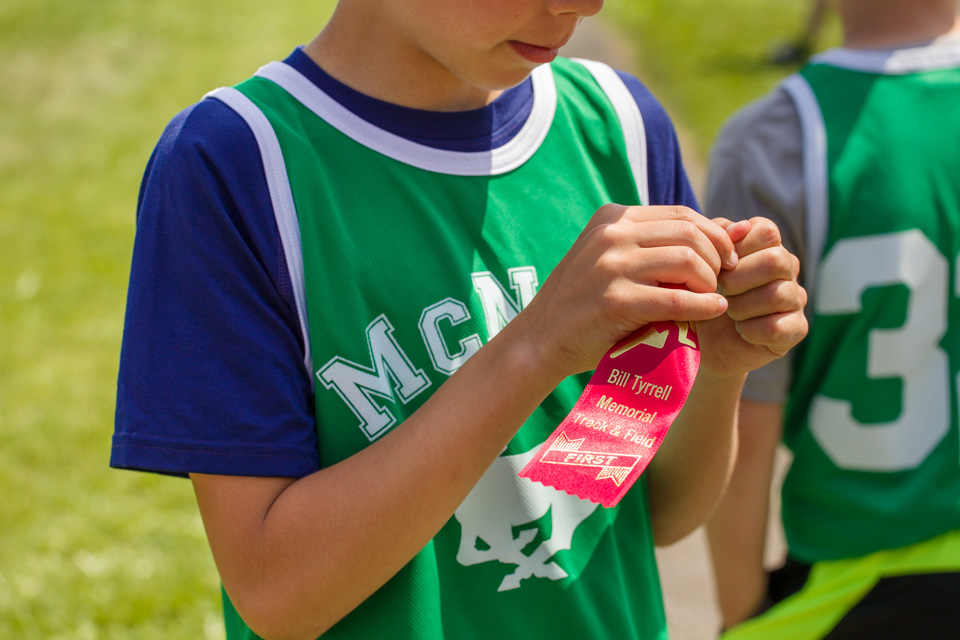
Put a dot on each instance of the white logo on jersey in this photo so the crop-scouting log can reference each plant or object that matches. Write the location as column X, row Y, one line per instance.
column 502, row 501
column 356, row 383
column 454, row 312
column 498, row 306
column 391, row 374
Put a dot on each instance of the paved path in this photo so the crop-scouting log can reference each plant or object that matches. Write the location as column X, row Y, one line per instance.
column 684, row 567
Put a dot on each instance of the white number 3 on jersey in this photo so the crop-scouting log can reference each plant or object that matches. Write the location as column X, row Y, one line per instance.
column 911, row 352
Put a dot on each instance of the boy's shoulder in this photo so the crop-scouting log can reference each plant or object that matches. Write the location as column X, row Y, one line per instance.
column 771, row 121
column 651, row 108
column 205, row 147
column 207, row 126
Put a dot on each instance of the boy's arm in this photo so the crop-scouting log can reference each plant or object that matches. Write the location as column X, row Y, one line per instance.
column 764, row 320
column 296, row 556
column 736, row 532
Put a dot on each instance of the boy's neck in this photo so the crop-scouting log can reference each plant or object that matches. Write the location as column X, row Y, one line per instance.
column 377, row 63
column 888, row 24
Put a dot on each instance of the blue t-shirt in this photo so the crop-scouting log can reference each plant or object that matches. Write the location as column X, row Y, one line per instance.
column 211, row 368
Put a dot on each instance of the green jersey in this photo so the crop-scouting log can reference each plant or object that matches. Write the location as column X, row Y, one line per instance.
column 872, row 415
column 412, row 259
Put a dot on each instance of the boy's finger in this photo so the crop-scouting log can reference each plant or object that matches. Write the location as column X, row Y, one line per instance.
column 716, row 234
column 672, row 265
column 721, row 221
column 778, row 296
column 683, row 237
column 737, row 230
column 778, row 332
column 762, row 234
column 652, row 304
column 758, row 268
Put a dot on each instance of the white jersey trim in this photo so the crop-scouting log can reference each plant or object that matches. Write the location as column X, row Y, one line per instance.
column 460, row 163
column 631, row 121
column 937, row 55
column 816, row 194
column 281, row 197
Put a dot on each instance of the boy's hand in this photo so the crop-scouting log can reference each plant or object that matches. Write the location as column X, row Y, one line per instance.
column 607, row 285
column 765, row 316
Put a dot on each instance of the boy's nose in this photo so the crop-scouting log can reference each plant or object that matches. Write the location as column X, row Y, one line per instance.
column 583, row 8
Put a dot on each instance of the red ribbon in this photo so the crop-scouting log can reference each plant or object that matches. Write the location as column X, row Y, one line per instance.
column 611, row 435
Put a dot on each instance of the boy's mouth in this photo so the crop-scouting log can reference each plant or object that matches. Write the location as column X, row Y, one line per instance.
column 534, row 53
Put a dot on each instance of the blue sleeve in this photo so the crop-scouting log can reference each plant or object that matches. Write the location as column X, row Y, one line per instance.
column 211, row 374
column 667, row 179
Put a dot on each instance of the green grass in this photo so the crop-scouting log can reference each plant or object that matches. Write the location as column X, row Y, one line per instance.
column 85, row 90
column 87, row 87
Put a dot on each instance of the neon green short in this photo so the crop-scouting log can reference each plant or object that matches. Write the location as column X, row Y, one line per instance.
column 836, row 588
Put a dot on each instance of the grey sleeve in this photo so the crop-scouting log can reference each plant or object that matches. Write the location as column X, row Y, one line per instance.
column 756, row 169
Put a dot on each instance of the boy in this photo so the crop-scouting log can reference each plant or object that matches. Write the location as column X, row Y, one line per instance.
column 855, row 158
column 353, row 381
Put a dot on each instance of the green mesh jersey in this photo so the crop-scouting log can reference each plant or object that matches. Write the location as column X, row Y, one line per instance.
column 872, row 417
column 413, row 258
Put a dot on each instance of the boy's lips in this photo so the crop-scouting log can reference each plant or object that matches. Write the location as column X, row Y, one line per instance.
column 535, row 53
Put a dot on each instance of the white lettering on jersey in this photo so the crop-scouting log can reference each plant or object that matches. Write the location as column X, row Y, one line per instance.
column 502, row 501
column 499, row 307
column 390, row 371
column 455, row 312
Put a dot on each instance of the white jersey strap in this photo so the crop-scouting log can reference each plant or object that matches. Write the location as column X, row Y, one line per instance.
column 631, row 121
column 816, row 194
column 281, row 197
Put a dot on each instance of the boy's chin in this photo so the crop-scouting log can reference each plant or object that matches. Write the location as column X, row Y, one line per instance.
column 508, row 79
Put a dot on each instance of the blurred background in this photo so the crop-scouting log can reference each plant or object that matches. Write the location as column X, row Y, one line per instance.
column 85, row 90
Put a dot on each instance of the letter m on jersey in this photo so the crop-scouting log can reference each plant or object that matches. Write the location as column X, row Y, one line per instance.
column 390, row 375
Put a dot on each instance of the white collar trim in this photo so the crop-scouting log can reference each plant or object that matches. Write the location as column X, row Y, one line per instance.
column 463, row 163
column 938, row 54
